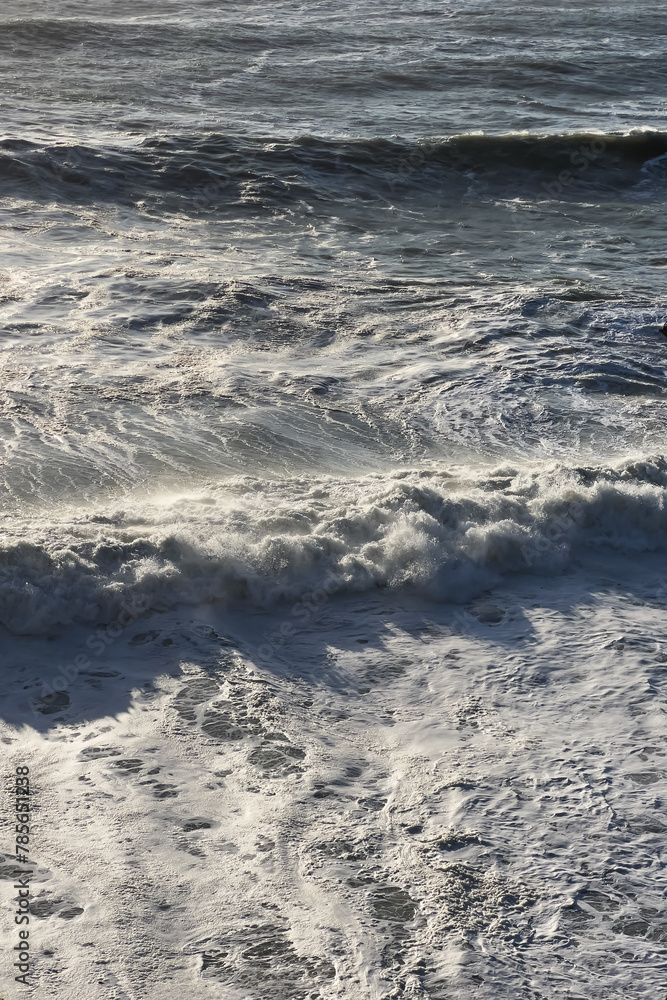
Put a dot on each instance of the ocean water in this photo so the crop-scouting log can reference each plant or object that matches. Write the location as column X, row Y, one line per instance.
column 333, row 488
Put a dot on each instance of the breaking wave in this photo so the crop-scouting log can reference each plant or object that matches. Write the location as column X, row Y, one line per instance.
column 443, row 537
column 211, row 172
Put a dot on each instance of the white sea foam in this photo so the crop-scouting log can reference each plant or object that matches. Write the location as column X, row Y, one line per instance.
column 440, row 535
column 405, row 799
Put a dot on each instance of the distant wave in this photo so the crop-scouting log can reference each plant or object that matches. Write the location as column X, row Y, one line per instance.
column 267, row 542
column 209, row 172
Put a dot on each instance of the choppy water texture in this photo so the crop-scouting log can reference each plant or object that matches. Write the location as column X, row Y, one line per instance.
column 332, row 408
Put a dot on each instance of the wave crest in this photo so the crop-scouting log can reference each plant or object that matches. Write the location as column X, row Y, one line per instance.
column 263, row 542
column 211, row 172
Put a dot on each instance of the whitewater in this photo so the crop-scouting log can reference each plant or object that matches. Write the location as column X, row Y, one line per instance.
column 333, row 499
